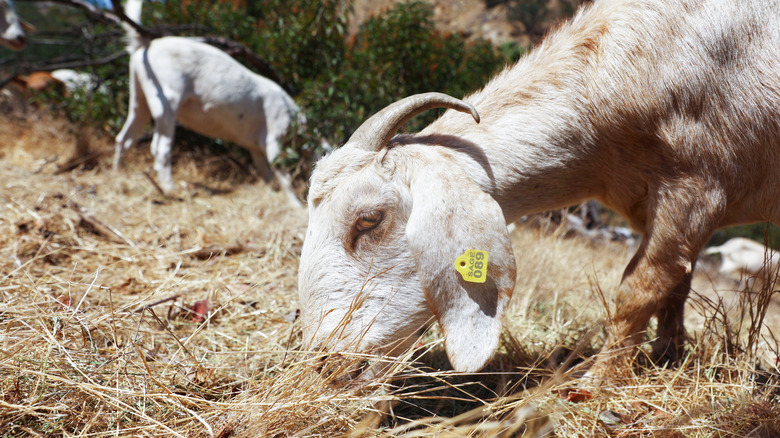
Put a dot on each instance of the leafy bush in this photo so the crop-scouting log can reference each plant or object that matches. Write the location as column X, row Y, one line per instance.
column 401, row 53
column 392, row 56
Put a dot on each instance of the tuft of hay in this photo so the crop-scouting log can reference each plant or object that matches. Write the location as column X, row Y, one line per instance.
column 125, row 313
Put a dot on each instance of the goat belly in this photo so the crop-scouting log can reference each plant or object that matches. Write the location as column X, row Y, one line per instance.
column 207, row 120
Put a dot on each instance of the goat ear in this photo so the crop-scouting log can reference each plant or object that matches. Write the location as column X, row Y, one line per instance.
column 451, row 214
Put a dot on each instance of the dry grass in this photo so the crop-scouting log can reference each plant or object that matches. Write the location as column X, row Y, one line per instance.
column 105, row 329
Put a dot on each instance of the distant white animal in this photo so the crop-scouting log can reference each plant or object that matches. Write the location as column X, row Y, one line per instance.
column 182, row 79
column 665, row 111
column 12, row 27
column 742, row 257
column 78, row 80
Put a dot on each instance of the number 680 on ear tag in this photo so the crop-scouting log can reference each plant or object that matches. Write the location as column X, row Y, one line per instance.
column 472, row 265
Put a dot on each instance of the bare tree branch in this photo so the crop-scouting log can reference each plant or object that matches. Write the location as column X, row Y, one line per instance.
column 85, row 62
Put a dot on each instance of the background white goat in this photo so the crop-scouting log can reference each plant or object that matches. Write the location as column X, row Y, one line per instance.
column 744, row 257
column 182, row 79
column 11, row 27
column 666, row 111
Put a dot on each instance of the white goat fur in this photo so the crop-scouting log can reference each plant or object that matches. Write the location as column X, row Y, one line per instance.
column 744, row 257
column 666, row 111
column 182, row 79
column 11, row 27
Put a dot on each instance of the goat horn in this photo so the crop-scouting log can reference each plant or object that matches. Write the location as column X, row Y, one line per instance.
column 376, row 132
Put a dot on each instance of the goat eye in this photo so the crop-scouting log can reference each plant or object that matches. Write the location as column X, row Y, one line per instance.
column 368, row 220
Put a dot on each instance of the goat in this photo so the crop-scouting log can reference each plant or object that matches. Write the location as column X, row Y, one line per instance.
column 740, row 256
column 182, row 79
column 666, row 111
column 12, row 27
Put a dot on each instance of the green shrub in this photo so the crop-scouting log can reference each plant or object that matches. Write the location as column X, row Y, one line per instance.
column 401, row 53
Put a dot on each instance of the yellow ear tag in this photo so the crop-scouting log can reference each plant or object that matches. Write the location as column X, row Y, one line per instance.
column 472, row 265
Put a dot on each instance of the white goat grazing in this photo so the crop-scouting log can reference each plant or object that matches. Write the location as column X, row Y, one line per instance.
column 745, row 257
column 182, row 79
column 11, row 27
column 666, row 111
